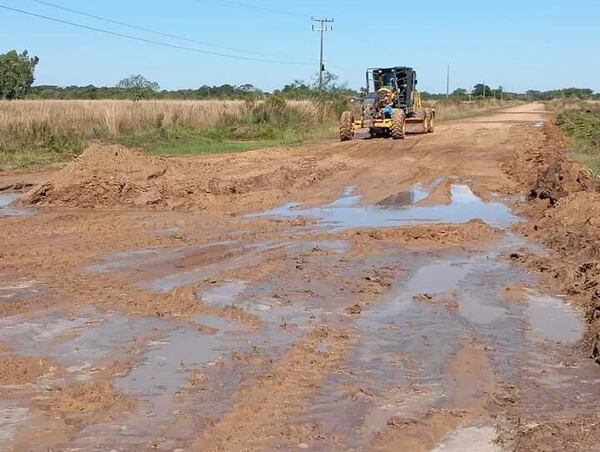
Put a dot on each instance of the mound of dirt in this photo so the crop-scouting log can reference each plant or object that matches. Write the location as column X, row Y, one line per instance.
column 546, row 173
column 560, row 179
column 572, row 225
column 109, row 176
column 567, row 220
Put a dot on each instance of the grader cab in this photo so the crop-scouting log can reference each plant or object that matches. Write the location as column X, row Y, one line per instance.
column 392, row 103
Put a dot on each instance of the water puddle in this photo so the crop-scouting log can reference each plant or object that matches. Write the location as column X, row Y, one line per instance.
column 224, row 294
column 470, row 439
column 552, row 320
column 437, row 278
column 398, row 210
column 166, row 366
column 399, row 365
column 80, row 343
column 11, row 419
column 282, row 323
column 211, row 260
column 123, row 260
column 404, row 198
column 538, row 124
column 20, row 291
column 6, row 199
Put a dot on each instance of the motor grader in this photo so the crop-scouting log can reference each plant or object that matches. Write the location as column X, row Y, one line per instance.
column 392, row 103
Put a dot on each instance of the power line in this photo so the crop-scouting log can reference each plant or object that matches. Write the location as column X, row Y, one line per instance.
column 147, row 30
column 148, row 41
column 323, row 28
column 232, row 4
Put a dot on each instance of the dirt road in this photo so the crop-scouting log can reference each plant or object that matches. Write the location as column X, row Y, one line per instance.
column 372, row 295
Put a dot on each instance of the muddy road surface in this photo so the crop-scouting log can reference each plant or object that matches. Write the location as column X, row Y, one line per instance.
column 358, row 296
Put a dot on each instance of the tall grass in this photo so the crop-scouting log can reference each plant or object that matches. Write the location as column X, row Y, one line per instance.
column 450, row 109
column 581, row 121
column 42, row 131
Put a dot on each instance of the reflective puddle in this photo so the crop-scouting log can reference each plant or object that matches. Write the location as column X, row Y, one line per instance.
column 20, row 291
column 551, row 319
column 79, row 343
column 224, row 294
column 399, row 365
column 167, row 365
column 399, row 210
column 6, row 199
column 404, row 198
column 470, row 439
column 123, row 260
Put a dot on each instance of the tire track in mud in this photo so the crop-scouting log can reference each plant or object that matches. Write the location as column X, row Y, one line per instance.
column 258, row 418
column 321, row 319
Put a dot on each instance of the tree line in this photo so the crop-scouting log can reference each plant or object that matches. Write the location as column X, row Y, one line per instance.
column 17, row 77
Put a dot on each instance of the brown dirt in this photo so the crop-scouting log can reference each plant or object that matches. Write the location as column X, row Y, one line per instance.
column 471, row 234
column 84, row 398
column 314, row 358
column 283, row 392
column 474, row 384
column 111, row 176
column 18, row 370
column 564, row 204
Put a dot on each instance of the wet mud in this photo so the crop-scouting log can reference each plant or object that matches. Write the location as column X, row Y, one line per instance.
column 362, row 296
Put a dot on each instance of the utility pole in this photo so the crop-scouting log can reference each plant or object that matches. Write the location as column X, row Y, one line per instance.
column 323, row 27
column 448, row 82
column 484, row 89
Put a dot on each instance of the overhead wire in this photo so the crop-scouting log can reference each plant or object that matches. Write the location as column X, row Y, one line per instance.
column 146, row 30
column 150, row 41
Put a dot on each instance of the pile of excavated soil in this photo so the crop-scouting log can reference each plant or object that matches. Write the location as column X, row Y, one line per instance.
column 565, row 204
column 110, row 176
column 546, row 173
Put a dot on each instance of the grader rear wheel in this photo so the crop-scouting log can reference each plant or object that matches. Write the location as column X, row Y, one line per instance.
column 399, row 126
column 346, row 126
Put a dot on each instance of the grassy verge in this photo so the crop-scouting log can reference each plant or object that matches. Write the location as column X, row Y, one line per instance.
column 44, row 133
column 581, row 122
column 38, row 133
column 189, row 141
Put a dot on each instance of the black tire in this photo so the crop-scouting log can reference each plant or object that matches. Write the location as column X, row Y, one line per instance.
column 398, row 125
column 346, row 126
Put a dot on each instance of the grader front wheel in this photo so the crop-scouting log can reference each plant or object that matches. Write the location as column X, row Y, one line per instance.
column 399, row 126
column 346, row 126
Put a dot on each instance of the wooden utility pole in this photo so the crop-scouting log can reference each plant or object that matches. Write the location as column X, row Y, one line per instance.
column 323, row 27
column 448, row 82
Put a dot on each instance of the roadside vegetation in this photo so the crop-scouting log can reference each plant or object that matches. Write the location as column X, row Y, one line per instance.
column 42, row 125
column 451, row 109
column 581, row 122
column 42, row 132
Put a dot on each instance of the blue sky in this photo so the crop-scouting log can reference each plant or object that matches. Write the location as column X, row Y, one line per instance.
column 519, row 44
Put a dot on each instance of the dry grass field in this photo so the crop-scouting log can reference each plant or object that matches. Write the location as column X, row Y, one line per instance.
column 38, row 132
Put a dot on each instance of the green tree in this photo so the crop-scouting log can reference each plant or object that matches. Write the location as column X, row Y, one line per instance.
column 16, row 74
column 481, row 90
column 330, row 82
column 139, row 87
column 459, row 93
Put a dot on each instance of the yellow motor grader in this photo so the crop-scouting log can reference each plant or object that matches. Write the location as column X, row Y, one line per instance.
column 391, row 103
